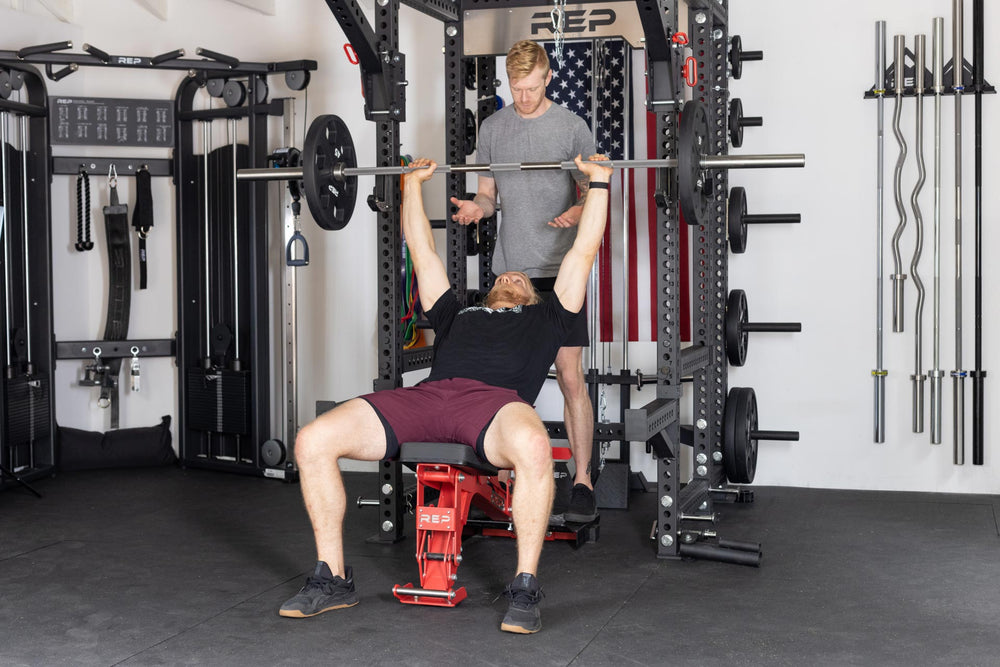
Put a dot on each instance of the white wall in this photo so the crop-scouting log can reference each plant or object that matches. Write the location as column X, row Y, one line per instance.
column 818, row 62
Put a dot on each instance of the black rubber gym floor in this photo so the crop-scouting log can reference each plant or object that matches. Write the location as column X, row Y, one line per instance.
column 188, row 567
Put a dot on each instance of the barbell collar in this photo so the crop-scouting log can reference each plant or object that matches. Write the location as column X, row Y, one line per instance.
column 341, row 172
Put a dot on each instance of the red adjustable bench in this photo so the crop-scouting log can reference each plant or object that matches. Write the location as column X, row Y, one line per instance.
column 462, row 481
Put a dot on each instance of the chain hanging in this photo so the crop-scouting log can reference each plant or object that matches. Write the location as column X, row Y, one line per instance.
column 558, row 15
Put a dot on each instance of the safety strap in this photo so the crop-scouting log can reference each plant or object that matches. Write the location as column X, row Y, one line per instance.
column 119, row 291
column 142, row 217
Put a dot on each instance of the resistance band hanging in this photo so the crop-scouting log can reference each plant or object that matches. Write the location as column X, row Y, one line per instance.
column 142, row 217
column 83, row 241
column 119, row 290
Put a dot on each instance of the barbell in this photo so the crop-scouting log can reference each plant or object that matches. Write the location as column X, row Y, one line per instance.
column 329, row 170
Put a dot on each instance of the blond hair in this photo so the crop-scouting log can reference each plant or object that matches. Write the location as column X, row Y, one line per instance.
column 524, row 58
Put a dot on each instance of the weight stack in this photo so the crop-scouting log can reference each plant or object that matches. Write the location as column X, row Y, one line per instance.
column 28, row 443
column 218, row 401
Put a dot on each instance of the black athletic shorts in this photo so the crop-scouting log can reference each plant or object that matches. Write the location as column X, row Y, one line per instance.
column 578, row 336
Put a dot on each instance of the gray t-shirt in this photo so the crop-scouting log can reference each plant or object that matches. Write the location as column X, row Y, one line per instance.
column 530, row 199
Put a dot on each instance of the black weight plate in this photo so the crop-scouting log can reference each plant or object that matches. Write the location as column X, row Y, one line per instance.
column 234, row 93
column 5, row 85
column 692, row 181
column 729, row 434
column 736, row 56
column 215, row 86
column 470, row 132
column 744, row 439
column 736, row 122
column 737, row 229
column 736, row 337
column 739, row 449
column 297, row 79
column 272, row 452
column 331, row 199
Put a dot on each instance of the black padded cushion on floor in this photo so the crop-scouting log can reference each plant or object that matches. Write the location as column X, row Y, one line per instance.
column 121, row 448
column 451, row 453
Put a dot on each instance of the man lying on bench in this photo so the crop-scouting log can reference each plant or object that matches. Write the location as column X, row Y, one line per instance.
column 489, row 364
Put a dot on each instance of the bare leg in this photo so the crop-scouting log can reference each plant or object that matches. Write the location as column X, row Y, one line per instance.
column 351, row 430
column 578, row 413
column 517, row 439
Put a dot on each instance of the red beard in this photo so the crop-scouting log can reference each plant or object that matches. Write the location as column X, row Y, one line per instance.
column 505, row 294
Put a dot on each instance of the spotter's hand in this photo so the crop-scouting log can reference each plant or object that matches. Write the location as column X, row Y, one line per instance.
column 468, row 211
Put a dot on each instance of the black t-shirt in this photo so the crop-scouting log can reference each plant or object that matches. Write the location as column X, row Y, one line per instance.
column 511, row 348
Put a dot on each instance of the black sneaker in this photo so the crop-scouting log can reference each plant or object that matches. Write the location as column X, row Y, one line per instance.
column 523, row 615
column 323, row 592
column 582, row 505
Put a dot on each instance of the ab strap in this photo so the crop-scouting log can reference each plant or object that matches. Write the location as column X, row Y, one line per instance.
column 119, row 290
column 142, row 217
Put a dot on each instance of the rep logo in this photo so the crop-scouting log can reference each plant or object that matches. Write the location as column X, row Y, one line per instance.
column 577, row 21
column 128, row 60
column 433, row 518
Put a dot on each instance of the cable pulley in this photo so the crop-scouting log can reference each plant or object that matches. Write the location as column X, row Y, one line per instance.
column 329, row 168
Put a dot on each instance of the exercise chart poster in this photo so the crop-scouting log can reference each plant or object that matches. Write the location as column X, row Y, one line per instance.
column 107, row 121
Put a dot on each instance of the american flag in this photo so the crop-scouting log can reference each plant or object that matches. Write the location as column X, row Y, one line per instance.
column 624, row 130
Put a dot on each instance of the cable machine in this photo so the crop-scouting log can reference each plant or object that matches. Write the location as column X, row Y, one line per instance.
column 223, row 338
column 27, row 449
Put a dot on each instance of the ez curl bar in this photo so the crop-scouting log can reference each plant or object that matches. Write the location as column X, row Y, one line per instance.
column 329, row 171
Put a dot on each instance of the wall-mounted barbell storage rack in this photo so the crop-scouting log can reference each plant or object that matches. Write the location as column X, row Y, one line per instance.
column 700, row 194
column 223, row 339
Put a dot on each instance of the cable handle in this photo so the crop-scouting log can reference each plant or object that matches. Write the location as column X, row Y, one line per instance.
column 290, row 260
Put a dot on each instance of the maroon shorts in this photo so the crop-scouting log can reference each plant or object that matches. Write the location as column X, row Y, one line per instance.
column 455, row 410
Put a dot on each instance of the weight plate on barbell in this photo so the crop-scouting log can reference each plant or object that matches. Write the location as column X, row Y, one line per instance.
column 693, row 182
column 736, row 336
column 736, row 227
column 739, row 448
column 331, row 199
